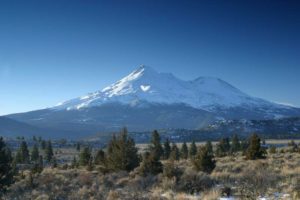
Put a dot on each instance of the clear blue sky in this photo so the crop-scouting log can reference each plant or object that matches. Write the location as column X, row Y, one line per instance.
column 51, row 51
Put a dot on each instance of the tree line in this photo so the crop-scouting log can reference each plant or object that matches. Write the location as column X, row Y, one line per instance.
column 121, row 154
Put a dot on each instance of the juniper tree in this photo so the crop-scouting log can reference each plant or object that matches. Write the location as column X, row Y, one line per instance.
column 151, row 160
column 6, row 169
column 74, row 163
column 122, row 153
column 184, row 152
column 255, row 151
column 235, row 144
column 85, row 156
column 41, row 162
column 49, row 151
column 204, row 161
column 167, row 149
column 174, row 155
column 18, row 157
column 43, row 144
column 155, row 146
column 150, row 164
column 170, row 170
column 193, row 149
column 244, row 145
column 35, row 153
column 22, row 155
column 78, row 146
column 100, row 157
column 223, row 147
column 38, row 166
column 209, row 147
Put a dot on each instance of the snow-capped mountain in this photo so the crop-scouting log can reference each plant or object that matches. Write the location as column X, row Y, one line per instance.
column 147, row 99
column 145, row 84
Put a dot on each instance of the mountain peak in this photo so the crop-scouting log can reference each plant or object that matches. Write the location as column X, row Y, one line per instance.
column 147, row 68
column 143, row 69
column 145, row 84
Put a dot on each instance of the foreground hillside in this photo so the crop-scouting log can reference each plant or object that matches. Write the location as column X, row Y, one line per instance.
column 229, row 169
column 278, row 175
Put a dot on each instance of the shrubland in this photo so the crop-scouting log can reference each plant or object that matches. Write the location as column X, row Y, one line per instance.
column 240, row 169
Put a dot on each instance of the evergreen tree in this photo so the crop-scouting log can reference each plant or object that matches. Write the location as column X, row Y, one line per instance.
column 23, row 153
column 85, row 156
column 170, row 170
column 223, row 147
column 235, row 144
column 174, row 155
column 78, row 146
column 49, row 151
column 184, row 152
column 41, row 163
column 38, row 166
column 100, row 157
column 34, row 138
column 155, row 146
column 18, row 157
column 43, row 144
column 151, row 160
column 204, row 161
column 255, row 151
column 209, row 147
column 244, row 145
column 6, row 169
column 35, row 153
column 74, row 163
column 122, row 153
column 167, row 149
column 150, row 164
column 193, row 149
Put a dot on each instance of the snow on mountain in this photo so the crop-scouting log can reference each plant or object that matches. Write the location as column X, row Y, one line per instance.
column 146, row 100
column 146, row 84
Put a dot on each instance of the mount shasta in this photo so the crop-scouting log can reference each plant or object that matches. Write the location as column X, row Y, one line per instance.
column 146, row 100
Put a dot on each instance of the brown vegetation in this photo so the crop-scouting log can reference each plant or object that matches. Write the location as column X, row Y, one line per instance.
column 243, row 170
column 247, row 179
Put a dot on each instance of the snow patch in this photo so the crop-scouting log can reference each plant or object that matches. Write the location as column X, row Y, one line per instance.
column 145, row 88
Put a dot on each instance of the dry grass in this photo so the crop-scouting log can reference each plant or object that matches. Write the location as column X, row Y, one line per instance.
column 280, row 172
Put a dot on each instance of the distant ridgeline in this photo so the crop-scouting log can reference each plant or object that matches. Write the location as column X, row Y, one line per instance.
column 287, row 128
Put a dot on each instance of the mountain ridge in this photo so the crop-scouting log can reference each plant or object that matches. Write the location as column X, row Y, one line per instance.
column 146, row 84
column 146, row 100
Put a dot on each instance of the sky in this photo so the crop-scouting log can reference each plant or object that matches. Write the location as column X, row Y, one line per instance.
column 52, row 51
